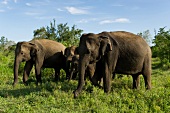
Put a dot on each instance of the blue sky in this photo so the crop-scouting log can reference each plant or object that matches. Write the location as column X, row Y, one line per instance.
column 19, row 18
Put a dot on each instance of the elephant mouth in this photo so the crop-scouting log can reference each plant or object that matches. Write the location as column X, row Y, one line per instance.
column 23, row 60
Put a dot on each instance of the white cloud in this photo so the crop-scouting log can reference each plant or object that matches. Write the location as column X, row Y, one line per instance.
column 106, row 21
column 118, row 20
column 122, row 20
column 15, row 1
column 1, row 11
column 28, row 4
column 58, row 9
column 82, row 21
column 87, row 20
column 74, row 10
column 4, row 2
column 32, row 13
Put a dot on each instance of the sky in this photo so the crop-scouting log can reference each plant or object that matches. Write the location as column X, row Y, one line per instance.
column 19, row 18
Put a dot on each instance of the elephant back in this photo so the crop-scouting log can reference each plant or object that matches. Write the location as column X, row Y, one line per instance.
column 49, row 45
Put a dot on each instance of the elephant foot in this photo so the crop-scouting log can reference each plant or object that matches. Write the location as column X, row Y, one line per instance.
column 100, row 86
column 26, row 83
column 14, row 84
column 75, row 94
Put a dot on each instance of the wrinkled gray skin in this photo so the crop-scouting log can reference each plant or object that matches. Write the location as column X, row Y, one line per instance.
column 41, row 53
column 69, row 53
column 119, row 52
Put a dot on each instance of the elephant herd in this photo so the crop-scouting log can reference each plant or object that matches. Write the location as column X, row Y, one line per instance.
column 98, row 56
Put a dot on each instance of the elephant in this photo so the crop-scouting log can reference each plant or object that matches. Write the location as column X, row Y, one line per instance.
column 69, row 53
column 74, row 66
column 119, row 52
column 40, row 53
column 91, row 71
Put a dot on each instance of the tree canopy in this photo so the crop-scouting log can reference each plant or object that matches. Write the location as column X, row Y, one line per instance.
column 162, row 45
column 147, row 36
column 62, row 33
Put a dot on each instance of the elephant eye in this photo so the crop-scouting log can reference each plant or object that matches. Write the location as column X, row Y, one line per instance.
column 22, row 52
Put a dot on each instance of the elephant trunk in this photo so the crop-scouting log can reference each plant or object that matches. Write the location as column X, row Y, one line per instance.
column 16, row 67
column 71, row 74
column 83, row 63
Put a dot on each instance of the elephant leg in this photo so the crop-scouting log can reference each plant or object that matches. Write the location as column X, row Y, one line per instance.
column 136, row 81
column 27, row 68
column 90, row 70
column 57, row 74
column 67, row 70
column 74, row 75
column 147, row 79
column 107, row 79
column 113, row 75
column 96, row 79
column 38, row 72
column 147, row 73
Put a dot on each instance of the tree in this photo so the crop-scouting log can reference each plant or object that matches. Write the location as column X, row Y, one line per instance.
column 63, row 33
column 67, row 36
column 147, row 36
column 3, row 41
column 40, row 33
column 162, row 44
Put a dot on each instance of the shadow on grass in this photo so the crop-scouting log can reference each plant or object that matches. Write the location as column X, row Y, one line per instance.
column 18, row 92
column 156, row 65
column 47, row 86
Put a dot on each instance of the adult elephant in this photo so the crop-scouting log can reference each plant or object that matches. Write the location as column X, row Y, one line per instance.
column 120, row 52
column 41, row 53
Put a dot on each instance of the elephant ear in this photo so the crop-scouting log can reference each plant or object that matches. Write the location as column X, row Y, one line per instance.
column 34, row 49
column 105, row 44
column 18, row 47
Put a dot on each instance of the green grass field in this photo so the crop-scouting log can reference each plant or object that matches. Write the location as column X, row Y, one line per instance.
column 54, row 97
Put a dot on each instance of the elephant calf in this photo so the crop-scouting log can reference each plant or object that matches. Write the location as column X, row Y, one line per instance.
column 69, row 53
column 74, row 66
column 41, row 53
column 91, row 71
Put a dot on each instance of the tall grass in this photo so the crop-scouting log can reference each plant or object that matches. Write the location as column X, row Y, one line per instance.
column 58, row 97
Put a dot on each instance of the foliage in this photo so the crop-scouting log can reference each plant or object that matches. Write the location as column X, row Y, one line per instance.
column 6, row 45
column 63, row 33
column 57, row 97
column 147, row 36
column 162, row 44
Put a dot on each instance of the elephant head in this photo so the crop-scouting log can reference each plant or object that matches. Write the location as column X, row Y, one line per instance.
column 69, row 53
column 92, row 48
column 24, row 51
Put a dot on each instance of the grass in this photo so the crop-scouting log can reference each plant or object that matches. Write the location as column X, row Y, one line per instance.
column 58, row 97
